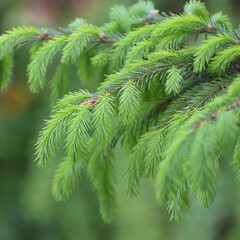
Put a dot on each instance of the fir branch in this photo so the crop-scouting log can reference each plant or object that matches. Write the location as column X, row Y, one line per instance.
column 195, row 7
column 16, row 37
column 154, row 153
column 100, row 166
column 208, row 48
column 123, row 46
column 221, row 19
column 78, row 135
column 95, row 98
column 139, row 51
column 60, row 83
column 37, row 69
column 212, row 94
column 135, row 166
column 236, row 160
column 170, row 31
column 223, row 59
column 49, row 139
column 77, row 42
column 51, row 136
column 228, row 129
column 65, row 179
column 214, row 115
column 159, row 96
column 100, row 59
column 103, row 177
column 104, row 118
column 6, row 64
column 174, row 80
column 141, row 9
column 204, row 165
column 129, row 103
column 120, row 15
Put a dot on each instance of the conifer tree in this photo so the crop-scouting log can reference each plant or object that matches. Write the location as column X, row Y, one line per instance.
column 169, row 91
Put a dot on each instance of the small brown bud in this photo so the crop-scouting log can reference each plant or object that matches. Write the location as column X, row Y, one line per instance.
column 234, row 104
column 208, row 119
column 200, row 30
column 210, row 26
column 203, row 122
column 154, row 12
column 43, row 35
column 196, row 126
column 237, row 42
column 102, row 35
column 214, row 115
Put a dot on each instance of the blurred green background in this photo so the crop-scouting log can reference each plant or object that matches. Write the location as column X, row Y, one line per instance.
column 27, row 208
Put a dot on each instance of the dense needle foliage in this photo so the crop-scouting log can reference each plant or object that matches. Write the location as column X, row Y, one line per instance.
column 169, row 92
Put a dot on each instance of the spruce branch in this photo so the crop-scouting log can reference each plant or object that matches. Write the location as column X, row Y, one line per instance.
column 6, row 64
column 171, row 102
column 37, row 69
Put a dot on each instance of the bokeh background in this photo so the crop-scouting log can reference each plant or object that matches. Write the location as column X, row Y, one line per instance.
column 27, row 208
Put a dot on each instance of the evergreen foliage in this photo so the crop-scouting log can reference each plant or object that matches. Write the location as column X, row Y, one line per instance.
column 172, row 101
column 6, row 64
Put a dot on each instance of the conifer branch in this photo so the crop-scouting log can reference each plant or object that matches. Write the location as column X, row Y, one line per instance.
column 173, row 104
column 215, row 114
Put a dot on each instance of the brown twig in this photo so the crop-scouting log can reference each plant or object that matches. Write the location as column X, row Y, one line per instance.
column 215, row 114
column 211, row 94
column 95, row 99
